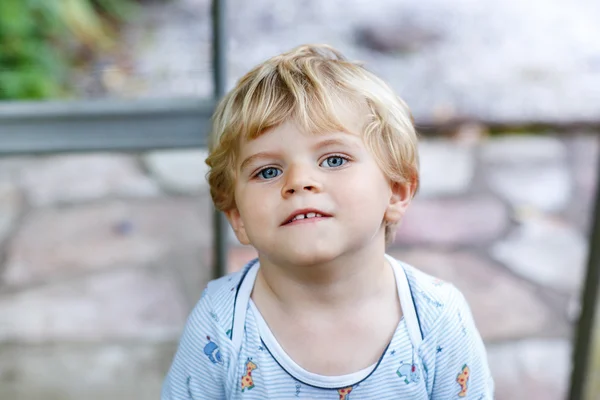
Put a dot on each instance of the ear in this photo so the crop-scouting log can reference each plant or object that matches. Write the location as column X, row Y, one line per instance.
column 234, row 218
column 401, row 196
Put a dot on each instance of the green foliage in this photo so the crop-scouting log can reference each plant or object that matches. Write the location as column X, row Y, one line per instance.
column 38, row 39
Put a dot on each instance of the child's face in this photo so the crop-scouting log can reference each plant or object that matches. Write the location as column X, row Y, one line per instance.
column 330, row 177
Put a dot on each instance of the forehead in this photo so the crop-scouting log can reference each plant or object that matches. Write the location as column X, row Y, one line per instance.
column 343, row 116
column 290, row 134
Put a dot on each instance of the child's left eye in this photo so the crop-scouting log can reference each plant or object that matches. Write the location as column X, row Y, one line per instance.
column 333, row 161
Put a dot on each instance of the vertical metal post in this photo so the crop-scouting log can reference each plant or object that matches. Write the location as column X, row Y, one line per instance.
column 219, row 58
column 585, row 328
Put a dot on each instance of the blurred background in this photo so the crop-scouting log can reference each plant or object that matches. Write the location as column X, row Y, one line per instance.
column 103, row 254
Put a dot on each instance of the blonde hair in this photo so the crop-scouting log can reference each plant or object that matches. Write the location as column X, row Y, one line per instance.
column 304, row 85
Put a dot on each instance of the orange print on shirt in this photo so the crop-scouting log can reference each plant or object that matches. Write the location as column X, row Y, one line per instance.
column 247, row 381
column 344, row 393
column 462, row 380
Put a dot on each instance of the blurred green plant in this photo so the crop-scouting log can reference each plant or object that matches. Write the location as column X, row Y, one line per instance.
column 41, row 39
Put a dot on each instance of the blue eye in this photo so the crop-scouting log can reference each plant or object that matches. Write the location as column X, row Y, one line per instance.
column 333, row 162
column 269, row 173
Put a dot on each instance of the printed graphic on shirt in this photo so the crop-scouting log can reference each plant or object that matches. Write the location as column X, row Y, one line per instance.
column 437, row 282
column 214, row 316
column 462, row 380
column 345, row 393
column 212, row 352
column 430, row 300
column 247, row 382
column 409, row 372
column 462, row 324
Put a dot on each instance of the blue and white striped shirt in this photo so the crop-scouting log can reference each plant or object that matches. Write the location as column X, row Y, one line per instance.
column 228, row 352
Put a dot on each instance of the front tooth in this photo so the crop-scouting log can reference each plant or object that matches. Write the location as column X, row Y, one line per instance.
column 318, row 215
column 301, row 216
column 310, row 215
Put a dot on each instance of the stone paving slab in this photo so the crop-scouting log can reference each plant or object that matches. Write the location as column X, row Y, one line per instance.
column 528, row 171
column 56, row 242
column 456, row 160
column 548, row 188
column 77, row 178
column 181, row 171
column 128, row 303
column 11, row 167
column 531, row 369
column 11, row 204
column 547, row 251
column 523, row 149
column 503, row 306
column 75, row 371
column 452, row 222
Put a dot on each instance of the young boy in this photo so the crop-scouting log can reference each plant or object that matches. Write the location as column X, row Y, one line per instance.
column 314, row 161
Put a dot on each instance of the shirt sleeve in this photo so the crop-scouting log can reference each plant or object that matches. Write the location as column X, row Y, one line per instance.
column 460, row 360
column 200, row 365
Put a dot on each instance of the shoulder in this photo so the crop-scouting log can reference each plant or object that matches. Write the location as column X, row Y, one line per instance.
column 205, row 353
column 218, row 298
column 436, row 301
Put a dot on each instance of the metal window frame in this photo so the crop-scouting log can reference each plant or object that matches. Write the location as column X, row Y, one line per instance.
column 106, row 125
column 140, row 125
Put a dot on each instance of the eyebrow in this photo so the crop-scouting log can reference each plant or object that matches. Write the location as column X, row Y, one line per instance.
column 257, row 156
column 333, row 142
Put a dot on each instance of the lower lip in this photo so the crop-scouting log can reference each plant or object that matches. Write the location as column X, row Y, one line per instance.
column 306, row 221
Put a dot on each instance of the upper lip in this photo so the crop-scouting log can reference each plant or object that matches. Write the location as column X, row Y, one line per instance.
column 304, row 211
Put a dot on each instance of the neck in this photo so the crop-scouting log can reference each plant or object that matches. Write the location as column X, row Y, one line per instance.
column 346, row 280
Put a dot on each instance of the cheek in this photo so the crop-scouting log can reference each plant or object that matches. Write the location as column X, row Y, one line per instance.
column 255, row 206
column 365, row 200
column 371, row 189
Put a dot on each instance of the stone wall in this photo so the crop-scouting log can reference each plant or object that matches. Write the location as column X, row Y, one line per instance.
column 103, row 255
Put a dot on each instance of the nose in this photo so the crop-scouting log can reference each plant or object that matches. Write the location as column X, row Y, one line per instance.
column 300, row 179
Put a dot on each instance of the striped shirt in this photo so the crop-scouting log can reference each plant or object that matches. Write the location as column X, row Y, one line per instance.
column 228, row 352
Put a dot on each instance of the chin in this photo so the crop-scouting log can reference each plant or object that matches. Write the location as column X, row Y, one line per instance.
column 310, row 257
column 308, row 260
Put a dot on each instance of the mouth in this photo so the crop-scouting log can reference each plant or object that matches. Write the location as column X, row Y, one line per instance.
column 305, row 215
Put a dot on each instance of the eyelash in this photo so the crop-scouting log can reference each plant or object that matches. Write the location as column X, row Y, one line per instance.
column 256, row 175
column 343, row 157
